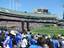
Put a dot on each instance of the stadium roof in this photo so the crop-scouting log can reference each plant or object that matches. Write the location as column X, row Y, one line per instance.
column 27, row 14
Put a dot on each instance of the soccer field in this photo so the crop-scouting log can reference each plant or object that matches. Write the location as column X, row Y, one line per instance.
column 48, row 30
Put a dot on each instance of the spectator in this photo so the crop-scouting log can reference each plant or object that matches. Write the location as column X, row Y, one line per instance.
column 8, row 43
column 24, row 42
column 55, row 42
column 33, row 43
column 18, row 38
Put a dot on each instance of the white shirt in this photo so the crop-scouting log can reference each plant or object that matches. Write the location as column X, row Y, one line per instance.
column 24, row 43
column 62, row 44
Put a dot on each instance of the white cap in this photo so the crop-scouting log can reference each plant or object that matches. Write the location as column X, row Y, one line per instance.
column 13, row 32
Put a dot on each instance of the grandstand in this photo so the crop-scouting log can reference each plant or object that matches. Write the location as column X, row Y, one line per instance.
column 10, row 15
column 21, row 20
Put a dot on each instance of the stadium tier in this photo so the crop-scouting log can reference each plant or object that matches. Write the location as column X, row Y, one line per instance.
column 10, row 15
column 13, row 16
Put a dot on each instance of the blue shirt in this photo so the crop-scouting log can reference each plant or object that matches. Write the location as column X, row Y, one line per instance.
column 8, row 41
column 18, row 38
column 55, row 43
column 33, row 41
column 33, row 46
column 29, row 36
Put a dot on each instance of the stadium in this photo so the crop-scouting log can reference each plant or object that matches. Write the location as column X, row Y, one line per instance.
column 31, row 23
column 42, row 19
column 30, row 30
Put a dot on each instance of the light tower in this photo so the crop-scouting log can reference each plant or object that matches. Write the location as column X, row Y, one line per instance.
column 63, row 11
column 15, row 4
column 12, row 6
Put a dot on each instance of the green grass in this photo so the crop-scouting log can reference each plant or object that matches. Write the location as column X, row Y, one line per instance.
column 48, row 30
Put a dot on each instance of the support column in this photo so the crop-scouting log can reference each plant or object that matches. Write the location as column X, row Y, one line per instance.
column 27, row 23
column 22, row 26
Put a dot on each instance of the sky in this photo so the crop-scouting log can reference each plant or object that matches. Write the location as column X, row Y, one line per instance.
column 54, row 6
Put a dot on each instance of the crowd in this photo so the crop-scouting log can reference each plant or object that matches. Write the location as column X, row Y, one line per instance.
column 25, row 39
